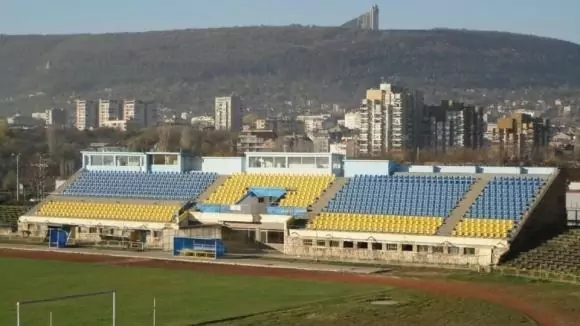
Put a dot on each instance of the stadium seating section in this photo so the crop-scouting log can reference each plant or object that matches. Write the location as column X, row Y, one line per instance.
column 500, row 207
column 160, row 186
column 303, row 190
column 9, row 214
column 484, row 228
column 376, row 223
column 559, row 255
column 506, row 198
column 108, row 211
column 406, row 195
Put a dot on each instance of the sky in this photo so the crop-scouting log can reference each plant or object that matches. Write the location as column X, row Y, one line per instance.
column 554, row 18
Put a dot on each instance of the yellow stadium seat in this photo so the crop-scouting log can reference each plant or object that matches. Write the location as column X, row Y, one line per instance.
column 302, row 190
column 376, row 223
column 109, row 211
column 483, row 228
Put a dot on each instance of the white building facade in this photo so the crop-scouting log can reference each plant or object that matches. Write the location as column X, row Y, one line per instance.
column 391, row 119
column 228, row 113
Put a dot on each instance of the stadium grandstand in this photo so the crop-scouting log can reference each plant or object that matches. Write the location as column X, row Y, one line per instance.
column 308, row 205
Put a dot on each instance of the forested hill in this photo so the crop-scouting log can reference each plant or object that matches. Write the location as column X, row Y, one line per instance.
column 271, row 65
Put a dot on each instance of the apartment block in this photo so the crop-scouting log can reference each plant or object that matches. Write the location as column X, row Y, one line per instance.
column 228, row 113
column 352, row 120
column 56, row 117
column 313, row 123
column 521, row 134
column 252, row 140
column 116, row 114
column 87, row 114
column 391, row 119
column 454, row 125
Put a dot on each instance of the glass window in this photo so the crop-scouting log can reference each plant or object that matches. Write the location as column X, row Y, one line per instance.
column 268, row 162
column 254, row 162
column 294, row 161
column 469, row 251
column 122, row 161
column 322, row 162
column 96, row 160
column 308, row 161
column 108, row 160
column 158, row 159
column 171, row 160
column 134, row 161
column 280, row 162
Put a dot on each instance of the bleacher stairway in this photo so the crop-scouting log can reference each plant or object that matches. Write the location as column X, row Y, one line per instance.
column 327, row 195
column 67, row 183
column 212, row 188
column 457, row 214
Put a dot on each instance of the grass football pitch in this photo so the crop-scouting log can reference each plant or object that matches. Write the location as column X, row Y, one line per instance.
column 198, row 298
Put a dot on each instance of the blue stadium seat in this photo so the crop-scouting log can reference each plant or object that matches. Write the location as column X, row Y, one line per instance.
column 506, row 198
column 158, row 186
column 430, row 195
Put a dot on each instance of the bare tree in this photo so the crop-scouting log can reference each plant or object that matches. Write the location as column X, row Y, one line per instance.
column 51, row 139
column 186, row 141
column 164, row 135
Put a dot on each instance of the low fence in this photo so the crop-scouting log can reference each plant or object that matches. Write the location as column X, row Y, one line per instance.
column 113, row 244
column 573, row 216
column 19, row 239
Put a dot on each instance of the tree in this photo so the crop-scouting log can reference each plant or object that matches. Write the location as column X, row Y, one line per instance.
column 186, row 141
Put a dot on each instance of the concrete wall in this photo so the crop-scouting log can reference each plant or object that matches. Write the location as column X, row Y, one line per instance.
column 223, row 165
column 547, row 219
column 456, row 169
column 391, row 252
column 421, row 169
column 354, row 167
column 395, row 248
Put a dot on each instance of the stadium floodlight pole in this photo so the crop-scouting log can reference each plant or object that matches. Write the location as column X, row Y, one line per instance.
column 17, row 176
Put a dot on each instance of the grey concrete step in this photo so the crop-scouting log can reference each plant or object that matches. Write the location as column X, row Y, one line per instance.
column 457, row 214
column 327, row 195
column 212, row 188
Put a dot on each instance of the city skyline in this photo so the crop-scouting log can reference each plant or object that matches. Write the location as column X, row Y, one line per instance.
column 66, row 17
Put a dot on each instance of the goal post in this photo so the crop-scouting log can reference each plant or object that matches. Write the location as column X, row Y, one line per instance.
column 113, row 294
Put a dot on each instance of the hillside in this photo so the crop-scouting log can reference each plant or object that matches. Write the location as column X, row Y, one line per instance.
column 187, row 68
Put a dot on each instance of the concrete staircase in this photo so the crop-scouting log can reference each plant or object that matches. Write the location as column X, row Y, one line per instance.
column 326, row 196
column 457, row 214
column 212, row 188
column 67, row 183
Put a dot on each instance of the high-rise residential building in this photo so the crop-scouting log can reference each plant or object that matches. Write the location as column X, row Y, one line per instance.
column 87, row 114
column 313, row 123
column 253, row 140
column 522, row 135
column 391, row 120
column 117, row 114
column 453, row 125
column 56, row 117
column 110, row 110
column 369, row 20
column 228, row 113
column 352, row 120
column 139, row 114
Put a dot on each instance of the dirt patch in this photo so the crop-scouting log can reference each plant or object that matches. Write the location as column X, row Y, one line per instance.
column 504, row 295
